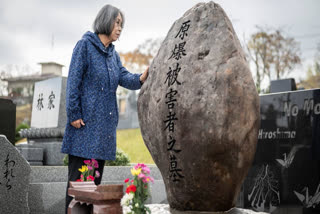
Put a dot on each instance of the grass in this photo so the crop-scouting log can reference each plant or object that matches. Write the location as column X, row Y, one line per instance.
column 131, row 142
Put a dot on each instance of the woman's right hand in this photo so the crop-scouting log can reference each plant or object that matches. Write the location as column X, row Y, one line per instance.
column 77, row 123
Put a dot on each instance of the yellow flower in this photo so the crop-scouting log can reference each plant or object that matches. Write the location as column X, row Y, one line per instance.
column 135, row 171
column 83, row 169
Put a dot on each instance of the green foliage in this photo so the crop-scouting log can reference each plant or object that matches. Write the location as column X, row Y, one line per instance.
column 66, row 160
column 20, row 126
column 122, row 159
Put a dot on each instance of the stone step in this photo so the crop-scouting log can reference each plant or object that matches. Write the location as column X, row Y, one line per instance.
column 42, row 174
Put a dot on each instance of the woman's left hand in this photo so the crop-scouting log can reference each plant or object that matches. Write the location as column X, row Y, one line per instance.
column 144, row 76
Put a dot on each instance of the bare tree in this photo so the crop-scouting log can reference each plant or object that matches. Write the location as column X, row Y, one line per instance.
column 313, row 73
column 138, row 60
column 259, row 54
column 285, row 53
column 273, row 54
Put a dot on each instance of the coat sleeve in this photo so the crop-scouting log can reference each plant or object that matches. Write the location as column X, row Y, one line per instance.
column 127, row 79
column 77, row 68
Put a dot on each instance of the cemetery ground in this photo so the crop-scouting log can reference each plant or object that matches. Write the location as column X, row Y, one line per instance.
column 130, row 141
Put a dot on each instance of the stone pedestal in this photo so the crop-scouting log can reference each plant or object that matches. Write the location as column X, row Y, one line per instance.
column 33, row 154
column 95, row 199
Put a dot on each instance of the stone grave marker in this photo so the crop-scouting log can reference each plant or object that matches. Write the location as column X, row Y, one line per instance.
column 285, row 176
column 199, row 111
column 48, row 122
column 8, row 119
column 14, row 179
column 48, row 106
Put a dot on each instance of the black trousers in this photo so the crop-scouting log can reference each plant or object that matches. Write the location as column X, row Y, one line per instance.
column 73, row 173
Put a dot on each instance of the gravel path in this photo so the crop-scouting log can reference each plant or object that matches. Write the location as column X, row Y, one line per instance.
column 155, row 209
column 164, row 209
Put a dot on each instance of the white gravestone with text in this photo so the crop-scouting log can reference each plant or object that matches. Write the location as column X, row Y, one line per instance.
column 46, row 103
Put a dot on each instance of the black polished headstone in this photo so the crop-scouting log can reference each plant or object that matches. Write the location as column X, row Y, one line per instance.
column 286, row 169
column 8, row 119
column 282, row 85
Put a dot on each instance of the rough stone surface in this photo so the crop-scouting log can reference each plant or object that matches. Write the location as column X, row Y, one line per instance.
column 14, row 179
column 199, row 111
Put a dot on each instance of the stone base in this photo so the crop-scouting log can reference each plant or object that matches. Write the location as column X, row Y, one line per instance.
column 33, row 154
column 52, row 155
column 231, row 211
column 35, row 163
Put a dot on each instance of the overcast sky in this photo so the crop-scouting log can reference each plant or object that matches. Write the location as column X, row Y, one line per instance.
column 33, row 31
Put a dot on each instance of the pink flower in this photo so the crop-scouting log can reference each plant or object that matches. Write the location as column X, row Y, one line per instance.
column 90, row 168
column 127, row 180
column 81, row 176
column 87, row 162
column 139, row 165
column 147, row 179
column 95, row 163
column 146, row 170
column 97, row 174
column 141, row 175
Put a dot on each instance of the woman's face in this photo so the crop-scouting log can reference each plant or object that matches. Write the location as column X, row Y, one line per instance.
column 115, row 34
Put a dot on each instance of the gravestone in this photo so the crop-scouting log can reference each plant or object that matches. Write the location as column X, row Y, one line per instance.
column 129, row 118
column 199, row 111
column 8, row 119
column 285, row 176
column 48, row 121
column 48, row 106
column 14, row 179
column 282, row 85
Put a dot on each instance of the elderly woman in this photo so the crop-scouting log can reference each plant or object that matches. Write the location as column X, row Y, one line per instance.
column 92, row 113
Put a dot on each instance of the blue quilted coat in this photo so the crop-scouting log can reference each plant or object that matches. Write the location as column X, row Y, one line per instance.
column 94, row 75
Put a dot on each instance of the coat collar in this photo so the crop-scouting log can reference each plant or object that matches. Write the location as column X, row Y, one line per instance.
column 95, row 40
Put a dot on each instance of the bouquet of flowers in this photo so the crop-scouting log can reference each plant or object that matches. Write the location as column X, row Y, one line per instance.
column 88, row 172
column 137, row 191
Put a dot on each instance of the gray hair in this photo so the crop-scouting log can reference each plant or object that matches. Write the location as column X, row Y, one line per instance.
column 105, row 20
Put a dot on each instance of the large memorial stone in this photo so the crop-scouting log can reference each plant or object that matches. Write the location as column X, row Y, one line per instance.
column 285, row 176
column 199, row 111
column 8, row 119
column 14, row 179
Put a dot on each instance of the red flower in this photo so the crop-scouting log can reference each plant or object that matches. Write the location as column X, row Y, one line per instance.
column 78, row 180
column 131, row 188
column 90, row 178
column 127, row 180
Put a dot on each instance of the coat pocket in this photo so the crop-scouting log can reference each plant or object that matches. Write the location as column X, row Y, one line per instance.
column 88, row 106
